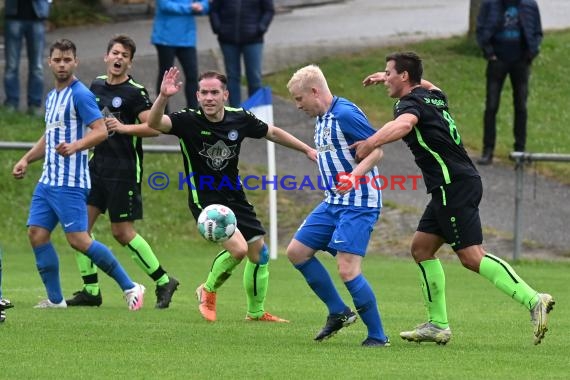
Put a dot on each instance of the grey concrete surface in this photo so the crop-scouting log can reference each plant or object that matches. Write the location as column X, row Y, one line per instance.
column 308, row 33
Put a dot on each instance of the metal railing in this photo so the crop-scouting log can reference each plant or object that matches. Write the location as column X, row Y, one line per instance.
column 146, row 147
column 520, row 159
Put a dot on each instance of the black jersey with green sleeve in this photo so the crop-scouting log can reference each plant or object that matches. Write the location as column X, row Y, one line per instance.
column 120, row 157
column 210, row 151
column 435, row 141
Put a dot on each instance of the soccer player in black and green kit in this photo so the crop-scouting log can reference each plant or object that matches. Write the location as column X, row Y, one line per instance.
column 423, row 121
column 210, row 139
column 116, row 171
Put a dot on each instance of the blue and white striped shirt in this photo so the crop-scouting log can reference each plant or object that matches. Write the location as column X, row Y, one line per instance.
column 341, row 126
column 68, row 113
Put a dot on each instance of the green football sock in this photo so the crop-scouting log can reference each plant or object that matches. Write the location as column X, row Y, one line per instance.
column 432, row 280
column 88, row 272
column 222, row 268
column 255, row 281
column 142, row 254
column 503, row 276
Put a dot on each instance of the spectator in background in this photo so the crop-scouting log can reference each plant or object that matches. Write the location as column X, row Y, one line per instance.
column 240, row 26
column 509, row 32
column 174, row 36
column 25, row 20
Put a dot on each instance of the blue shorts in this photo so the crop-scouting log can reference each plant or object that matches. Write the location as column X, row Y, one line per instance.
column 52, row 204
column 338, row 228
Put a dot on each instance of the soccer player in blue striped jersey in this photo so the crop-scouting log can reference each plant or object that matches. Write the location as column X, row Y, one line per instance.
column 423, row 121
column 61, row 193
column 343, row 222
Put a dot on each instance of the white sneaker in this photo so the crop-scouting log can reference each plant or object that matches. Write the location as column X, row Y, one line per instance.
column 47, row 304
column 135, row 297
column 427, row 332
column 539, row 316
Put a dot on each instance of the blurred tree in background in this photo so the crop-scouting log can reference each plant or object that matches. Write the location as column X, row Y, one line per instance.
column 473, row 12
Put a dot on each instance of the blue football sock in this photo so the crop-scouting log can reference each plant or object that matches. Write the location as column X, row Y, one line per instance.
column 366, row 306
column 47, row 263
column 104, row 259
column 320, row 281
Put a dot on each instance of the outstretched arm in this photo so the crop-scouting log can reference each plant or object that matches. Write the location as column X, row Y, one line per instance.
column 380, row 77
column 391, row 131
column 170, row 86
column 281, row 137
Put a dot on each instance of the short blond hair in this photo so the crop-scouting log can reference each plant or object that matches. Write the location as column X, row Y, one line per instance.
column 308, row 77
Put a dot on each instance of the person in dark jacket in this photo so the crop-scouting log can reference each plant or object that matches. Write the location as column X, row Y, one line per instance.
column 509, row 33
column 25, row 20
column 240, row 26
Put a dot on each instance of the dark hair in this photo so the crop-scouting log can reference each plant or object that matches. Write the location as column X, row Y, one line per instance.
column 410, row 62
column 214, row 75
column 63, row 45
column 124, row 40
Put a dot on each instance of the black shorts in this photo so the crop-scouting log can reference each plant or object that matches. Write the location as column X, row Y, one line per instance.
column 247, row 221
column 453, row 213
column 123, row 200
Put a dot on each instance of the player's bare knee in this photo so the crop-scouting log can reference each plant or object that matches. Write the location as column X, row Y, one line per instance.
column 239, row 252
column 471, row 257
column 296, row 254
column 347, row 272
column 38, row 236
column 79, row 241
column 262, row 255
column 123, row 233
column 122, row 237
column 257, row 250
column 292, row 255
column 421, row 254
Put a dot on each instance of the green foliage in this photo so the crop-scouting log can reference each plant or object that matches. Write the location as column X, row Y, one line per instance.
column 66, row 13
column 455, row 66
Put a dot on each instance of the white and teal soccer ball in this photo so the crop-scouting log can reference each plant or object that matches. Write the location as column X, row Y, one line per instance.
column 217, row 223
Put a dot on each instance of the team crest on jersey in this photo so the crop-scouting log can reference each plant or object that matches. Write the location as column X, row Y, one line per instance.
column 217, row 155
column 116, row 102
column 233, row 135
column 326, row 133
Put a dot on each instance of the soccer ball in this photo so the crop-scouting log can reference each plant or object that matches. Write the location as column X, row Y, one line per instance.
column 217, row 223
